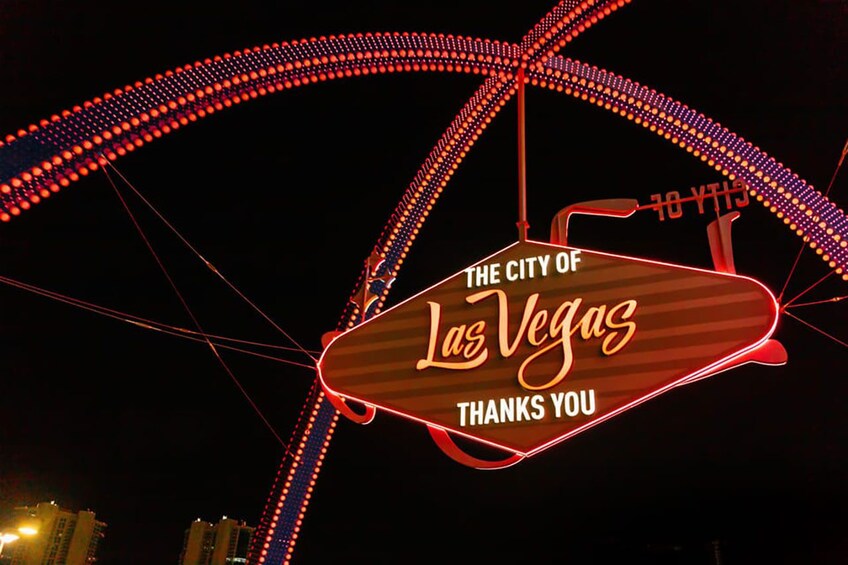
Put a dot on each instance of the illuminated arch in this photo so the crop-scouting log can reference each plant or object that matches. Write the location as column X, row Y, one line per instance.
column 46, row 157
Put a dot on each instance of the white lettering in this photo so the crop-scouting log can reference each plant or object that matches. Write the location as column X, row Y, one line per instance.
column 556, row 400
column 476, row 411
column 521, row 269
column 544, row 260
column 523, row 414
column 572, row 404
column 462, row 407
column 491, row 414
column 513, row 409
column 587, row 405
column 531, row 262
column 511, row 275
column 538, row 403
column 566, row 261
column 508, row 409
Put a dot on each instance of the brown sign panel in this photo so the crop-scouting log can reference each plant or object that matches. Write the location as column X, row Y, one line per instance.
column 538, row 342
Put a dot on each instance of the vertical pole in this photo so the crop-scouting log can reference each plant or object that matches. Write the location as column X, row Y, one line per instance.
column 522, row 165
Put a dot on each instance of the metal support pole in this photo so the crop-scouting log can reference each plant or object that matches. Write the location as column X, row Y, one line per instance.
column 522, row 165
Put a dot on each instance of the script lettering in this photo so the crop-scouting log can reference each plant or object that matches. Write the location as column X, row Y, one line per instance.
column 544, row 330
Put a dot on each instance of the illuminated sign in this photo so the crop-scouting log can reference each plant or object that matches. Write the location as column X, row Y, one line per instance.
column 539, row 342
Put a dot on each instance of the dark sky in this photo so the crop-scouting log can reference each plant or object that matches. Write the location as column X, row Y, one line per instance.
column 287, row 194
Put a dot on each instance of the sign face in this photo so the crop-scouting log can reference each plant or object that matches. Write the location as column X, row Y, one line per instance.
column 539, row 342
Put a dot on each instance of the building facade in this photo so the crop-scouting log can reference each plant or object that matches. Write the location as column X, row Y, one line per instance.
column 224, row 543
column 62, row 537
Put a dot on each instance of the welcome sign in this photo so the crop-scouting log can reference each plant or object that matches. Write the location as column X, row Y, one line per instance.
column 538, row 342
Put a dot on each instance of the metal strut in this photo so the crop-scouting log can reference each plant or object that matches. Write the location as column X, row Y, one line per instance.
column 522, row 163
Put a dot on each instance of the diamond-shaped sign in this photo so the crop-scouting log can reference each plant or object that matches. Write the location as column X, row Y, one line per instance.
column 538, row 342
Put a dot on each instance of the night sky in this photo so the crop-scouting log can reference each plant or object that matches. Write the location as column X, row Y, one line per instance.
column 286, row 196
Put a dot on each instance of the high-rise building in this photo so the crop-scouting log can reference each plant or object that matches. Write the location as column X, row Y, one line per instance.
column 224, row 543
column 62, row 537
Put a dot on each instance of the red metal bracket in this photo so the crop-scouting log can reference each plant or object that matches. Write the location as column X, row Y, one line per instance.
column 721, row 245
column 613, row 207
column 338, row 402
column 452, row 450
column 771, row 352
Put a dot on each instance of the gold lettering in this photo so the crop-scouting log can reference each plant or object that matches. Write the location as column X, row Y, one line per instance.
column 435, row 317
column 538, row 322
column 629, row 327
column 476, row 339
column 542, row 330
column 567, row 362
column 569, row 308
column 591, row 324
column 453, row 341
column 503, row 318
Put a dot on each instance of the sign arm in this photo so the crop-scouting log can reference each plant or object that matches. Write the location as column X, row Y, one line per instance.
column 771, row 352
column 339, row 404
column 721, row 244
column 452, row 450
column 614, row 207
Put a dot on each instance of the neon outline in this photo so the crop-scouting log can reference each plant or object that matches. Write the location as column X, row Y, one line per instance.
column 713, row 368
column 817, row 219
